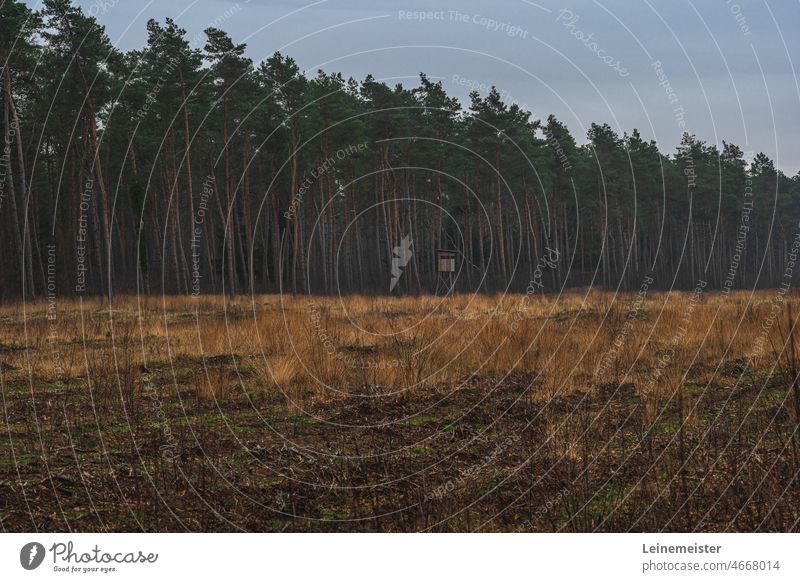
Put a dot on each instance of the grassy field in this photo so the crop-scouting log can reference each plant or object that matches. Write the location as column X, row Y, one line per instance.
column 583, row 412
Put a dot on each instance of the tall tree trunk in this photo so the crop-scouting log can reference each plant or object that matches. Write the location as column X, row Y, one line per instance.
column 246, row 204
column 228, row 218
column 11, row 189
column 26, row 234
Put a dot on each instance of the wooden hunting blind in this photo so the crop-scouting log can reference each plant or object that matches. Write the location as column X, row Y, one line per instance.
column 446, row 261
column 446, row 271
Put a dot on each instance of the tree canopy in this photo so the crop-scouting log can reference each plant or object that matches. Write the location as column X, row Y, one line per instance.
column 180, row 168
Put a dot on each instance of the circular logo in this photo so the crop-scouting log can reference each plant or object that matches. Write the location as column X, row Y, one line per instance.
column 31, row 555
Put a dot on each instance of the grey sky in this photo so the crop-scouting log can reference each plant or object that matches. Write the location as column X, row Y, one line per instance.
column 731, row 64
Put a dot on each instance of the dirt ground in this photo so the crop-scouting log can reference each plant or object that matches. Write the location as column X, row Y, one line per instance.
column 134, row 428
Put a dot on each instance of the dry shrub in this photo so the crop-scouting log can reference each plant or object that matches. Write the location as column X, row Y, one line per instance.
column 327, row 347
column 214, row 383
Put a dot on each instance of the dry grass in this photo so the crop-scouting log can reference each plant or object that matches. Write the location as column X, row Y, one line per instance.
column 619, row 411
column 330, row 346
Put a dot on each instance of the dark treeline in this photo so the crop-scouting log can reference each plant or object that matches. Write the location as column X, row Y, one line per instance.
column 184, row 167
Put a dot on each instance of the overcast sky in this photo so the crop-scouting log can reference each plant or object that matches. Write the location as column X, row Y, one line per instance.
column 729, row 67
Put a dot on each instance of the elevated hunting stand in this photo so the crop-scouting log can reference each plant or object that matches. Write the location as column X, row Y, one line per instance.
column 445, row 271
